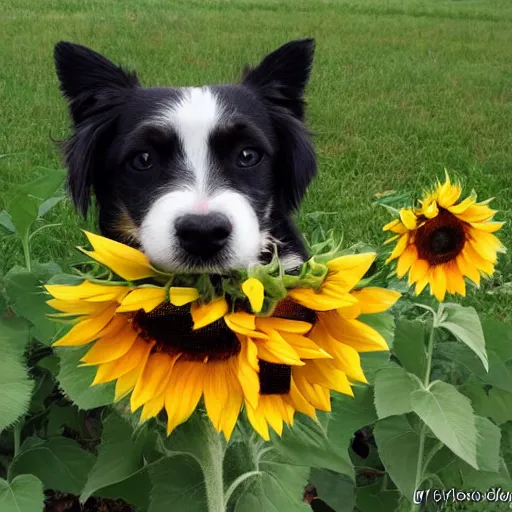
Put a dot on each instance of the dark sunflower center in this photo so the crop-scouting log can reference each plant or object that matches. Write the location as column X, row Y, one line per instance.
column 171, row 328
column 440, row 239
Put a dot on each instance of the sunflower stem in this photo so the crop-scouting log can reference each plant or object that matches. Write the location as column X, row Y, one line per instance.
column 212, row 469
column 423, row 433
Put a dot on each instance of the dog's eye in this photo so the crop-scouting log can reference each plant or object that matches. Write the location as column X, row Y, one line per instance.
column 248, row 157
column 142, row 162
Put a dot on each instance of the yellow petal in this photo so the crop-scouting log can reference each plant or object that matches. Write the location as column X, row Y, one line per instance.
column 477, row 213
column 179, row 296
column 399, row 247
column 85, row 290
column 318, row 396
column 86, row 330
column 231, row 411
column 206, row 314
column 126, row 383
column 112, row 347
column 454, row 280
column 305, row 348
column 395, row 226
column 255, row 292
column 406, row 259
column 276, row 350
column 486, row 244
column 283, row 324
column 375, row 300
column 127, row 262
column 430, row 210
column 142, row 298
column 247, row 371
column 217, row 387
column 408, row 218
column 354, row 333
column 328, row 377
column 488, row 227
column 348, row 270
column 299, row 402
column 243, row 323
column 78, row 307
column 153, row 380
column 437, row 280
column 458, row 209
column 258, row 422
column 152, row 407
column 420, row 285
column 324, row 300
column 183, row 392
column 448, row 194
column 419, row 271
column 136, row 357
column 468, row 269
column 474, row 257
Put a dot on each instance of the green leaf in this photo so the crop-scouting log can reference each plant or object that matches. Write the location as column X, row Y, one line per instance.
column 28, row 299
column 373, row 362
column 398, row 447
column 499, row 406
column 6, row 222
column 350, row 414
column 76, row 382
column 307, row 444
column 499, row 374
column 119, row 456
column 488, row 445
column 498, row 337
column 177, row 484
column 45, row 186
column 393, row 388
column 23, row 211
column 409, row 346
column 279, row 487
column 60, row 463
column 464, row 324
column 383, row 323
column 23, row 494
column 336, row 490
column 450, row 416
column 45, row 207
column 60, row 417
column 15, row 385
column 135, row 490
column 372, row 498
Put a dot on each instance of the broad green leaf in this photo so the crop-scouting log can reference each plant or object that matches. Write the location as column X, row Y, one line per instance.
column 383, row 323
column 464, row 324
column 338, row 491
column 373, row 362
column 499, row 373
column 23, row 494
column 45, row 186
column 307, row 444
column 398, row 447
column 62, row 417
column 498, row 337
column 372, row 498
column 44, row 385
column 6, row 222
column 279, row 487
column 450, row 416
column 60, row 463
column 23, row 211
column 350, row 414
column 475, row 391
column 119, row 456
column 28, row 299
column 499, row 406
column 409, row 346
column 488, row 445
column 135, row 490
column 76, row 382
column 393, row 388
column 177, row 484
column 15, row 385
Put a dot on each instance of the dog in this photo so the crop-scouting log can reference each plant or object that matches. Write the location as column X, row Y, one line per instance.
column 200, row 179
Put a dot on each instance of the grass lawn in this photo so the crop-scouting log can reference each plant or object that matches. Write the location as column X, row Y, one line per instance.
column 400, row 90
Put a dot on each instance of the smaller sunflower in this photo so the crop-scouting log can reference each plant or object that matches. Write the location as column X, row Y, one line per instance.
column 443, row 240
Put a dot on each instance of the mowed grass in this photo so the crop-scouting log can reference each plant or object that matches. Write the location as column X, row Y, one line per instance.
column 399, row 91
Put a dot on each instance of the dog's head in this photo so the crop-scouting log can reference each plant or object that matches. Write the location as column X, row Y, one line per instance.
column 197, row 177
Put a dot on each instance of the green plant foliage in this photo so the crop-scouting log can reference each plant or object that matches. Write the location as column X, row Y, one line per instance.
column 23, row 494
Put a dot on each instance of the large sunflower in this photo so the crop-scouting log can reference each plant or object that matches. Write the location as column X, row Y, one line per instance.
column 444, row 240
column 168, row 348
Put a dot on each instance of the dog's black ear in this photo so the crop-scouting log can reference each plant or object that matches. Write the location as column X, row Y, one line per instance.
column 282, row 75
column 280, row 81
column 86, row 77
column 94, row 87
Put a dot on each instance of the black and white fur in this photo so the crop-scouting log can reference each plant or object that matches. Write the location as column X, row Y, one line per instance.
column 199, row 178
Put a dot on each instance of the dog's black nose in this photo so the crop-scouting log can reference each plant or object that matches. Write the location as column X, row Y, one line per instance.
column 203, row 235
